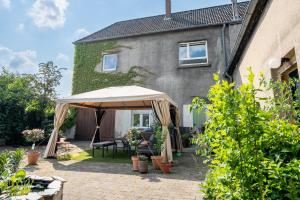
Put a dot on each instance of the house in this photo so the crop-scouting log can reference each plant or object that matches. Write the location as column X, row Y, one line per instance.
column 269, row 42
column 176, row 53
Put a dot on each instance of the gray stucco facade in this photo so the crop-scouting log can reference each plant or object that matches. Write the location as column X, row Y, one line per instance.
column 159, row 54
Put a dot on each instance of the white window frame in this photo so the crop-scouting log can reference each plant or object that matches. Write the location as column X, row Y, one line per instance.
column 103, row 58
column 141, row 113
column 203, row 42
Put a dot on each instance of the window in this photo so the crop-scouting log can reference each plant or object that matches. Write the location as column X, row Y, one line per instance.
column 110, row 62
column 191, row 53
column 141, row 119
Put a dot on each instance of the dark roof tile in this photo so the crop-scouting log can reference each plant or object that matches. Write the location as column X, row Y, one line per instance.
column 156, row 24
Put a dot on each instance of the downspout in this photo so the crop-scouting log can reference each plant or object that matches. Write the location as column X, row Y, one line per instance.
column 224, row 52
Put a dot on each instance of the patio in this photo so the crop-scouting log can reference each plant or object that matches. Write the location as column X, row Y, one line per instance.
column 97, row 180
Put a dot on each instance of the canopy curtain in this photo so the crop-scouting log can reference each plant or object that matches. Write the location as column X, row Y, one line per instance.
column 99, row 115
column 175, row 117
column 162, row 110
column 61, row 111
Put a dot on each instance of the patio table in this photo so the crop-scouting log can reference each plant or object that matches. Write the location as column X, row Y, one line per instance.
column 103, row 145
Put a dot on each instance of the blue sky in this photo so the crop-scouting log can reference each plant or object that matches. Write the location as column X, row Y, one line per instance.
column 34, row 31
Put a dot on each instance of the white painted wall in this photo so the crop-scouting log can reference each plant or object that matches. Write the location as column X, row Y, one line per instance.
column 123, row 122
column 277, row 33
column 187, row 116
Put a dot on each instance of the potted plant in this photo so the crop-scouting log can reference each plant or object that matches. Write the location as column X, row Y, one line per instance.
column 157, row 161
column 33, row 136
column 143, row 164
column 133, row 138
column 62, row 137
column 158, row 141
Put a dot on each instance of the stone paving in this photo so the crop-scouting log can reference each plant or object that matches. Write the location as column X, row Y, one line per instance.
column 91, row 180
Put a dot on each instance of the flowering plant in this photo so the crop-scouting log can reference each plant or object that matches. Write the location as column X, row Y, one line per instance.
column 33, row 136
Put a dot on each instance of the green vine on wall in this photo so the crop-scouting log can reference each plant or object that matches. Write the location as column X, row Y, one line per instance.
column 85, row 78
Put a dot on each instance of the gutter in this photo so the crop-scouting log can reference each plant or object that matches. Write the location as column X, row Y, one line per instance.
column 253, row 15
column 154, row 32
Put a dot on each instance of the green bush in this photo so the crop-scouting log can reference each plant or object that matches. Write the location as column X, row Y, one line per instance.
column 252, row 143
column 12, row 179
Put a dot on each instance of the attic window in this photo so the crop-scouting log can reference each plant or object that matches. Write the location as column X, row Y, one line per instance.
column 191, row 53
column 109, row 62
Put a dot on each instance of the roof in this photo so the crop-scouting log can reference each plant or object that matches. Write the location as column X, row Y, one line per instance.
column 122, row 97
column 179, row 21
column 252, row 17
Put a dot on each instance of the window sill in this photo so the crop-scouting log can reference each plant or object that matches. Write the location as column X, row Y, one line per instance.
column 193, row 66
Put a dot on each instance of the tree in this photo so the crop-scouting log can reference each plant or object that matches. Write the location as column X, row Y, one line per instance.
column 28, row 101
column 46, row 81
column 16, row 93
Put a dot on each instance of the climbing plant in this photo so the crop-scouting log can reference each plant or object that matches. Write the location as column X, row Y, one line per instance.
column 88, row 56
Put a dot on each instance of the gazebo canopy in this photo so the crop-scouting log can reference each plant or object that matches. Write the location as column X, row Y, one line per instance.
column 123, row 97
column 119, row 98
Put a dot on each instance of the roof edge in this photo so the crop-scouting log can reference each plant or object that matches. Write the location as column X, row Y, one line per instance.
column 156, row 32
column 252, row 18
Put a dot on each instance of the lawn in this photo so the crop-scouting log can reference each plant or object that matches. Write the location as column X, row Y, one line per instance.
column 120, row 157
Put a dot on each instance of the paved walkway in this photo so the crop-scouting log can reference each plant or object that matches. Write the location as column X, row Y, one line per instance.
column 90, row 180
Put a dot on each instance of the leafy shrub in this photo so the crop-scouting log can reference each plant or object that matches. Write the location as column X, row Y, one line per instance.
column 12, row 180
column 159, row 137
column 252, row 143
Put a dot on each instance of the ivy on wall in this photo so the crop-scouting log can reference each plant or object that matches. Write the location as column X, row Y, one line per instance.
column 85, row 78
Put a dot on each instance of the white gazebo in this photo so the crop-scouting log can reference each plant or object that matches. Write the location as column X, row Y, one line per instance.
column 120, row 98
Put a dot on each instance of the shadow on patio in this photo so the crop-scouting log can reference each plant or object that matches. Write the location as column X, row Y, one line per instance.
column 186, row 167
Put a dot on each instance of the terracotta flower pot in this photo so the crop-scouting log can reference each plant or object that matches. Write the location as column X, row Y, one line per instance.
column 143, row 167
column 165, row 167
column 135, row 163
column 33, row 157
column 156, row 160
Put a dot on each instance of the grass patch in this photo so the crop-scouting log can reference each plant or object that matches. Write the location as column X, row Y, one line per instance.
column 120, row 157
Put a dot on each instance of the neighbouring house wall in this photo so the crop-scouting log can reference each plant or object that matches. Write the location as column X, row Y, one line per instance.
column 277, row 33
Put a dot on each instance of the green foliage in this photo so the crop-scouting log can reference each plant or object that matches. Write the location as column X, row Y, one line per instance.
column 252, row 143
column 87, row 56
column 69, row 121
column 27, row 101
column 143, row 158
column 159, row 137
column 134, row 137
column 12, row 180
column 16, row 92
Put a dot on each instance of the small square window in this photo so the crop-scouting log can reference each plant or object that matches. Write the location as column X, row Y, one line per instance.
column 191, row 53
column 110, row 62
column 141, row 119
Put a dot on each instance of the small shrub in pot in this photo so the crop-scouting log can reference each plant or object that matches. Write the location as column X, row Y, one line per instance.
column 133, row 138
column 33, row 136
column 143, row 164
column 159, row 140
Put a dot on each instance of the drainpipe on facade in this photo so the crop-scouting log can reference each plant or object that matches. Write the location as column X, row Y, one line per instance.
column 226, row 75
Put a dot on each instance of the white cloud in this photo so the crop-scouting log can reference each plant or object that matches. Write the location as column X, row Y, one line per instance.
column 49, row 13
column 5, row 3
column 80, row 33
column 18, row 61
column 20, row 27
column 62, row 57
